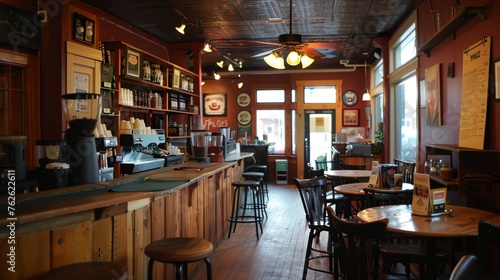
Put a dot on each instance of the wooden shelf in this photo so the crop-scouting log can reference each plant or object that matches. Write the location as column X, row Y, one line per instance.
column 452, row 26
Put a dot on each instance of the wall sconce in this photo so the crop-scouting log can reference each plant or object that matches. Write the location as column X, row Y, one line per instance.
column 181, row 27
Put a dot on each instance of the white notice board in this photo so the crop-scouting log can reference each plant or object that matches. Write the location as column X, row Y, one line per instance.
column 476, row 65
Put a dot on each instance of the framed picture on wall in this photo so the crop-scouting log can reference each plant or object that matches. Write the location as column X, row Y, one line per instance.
column 133, row 63
column 215, row 104
column 433, row 95
column 497, row 79
column 350, row 117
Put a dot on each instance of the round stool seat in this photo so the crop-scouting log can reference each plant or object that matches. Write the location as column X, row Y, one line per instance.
column 253, row 174
column 90, row 271
column 179, row 250
column 259, row 166
column 245, row 184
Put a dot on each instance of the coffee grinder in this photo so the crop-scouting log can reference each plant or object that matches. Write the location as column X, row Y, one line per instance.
column 81, row 110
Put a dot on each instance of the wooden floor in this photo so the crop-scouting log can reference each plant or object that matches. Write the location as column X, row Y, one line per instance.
column 280, row 252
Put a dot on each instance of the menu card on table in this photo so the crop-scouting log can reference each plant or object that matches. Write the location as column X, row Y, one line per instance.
column 438, row 200
column 421, row 190
column 373, row 181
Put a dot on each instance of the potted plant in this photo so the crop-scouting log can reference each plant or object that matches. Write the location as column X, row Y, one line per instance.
column 378, row 145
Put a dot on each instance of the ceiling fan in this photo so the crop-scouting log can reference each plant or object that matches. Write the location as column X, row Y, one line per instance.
column 299, row 52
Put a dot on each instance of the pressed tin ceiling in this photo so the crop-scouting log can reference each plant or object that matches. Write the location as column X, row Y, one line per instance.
column 240, row 29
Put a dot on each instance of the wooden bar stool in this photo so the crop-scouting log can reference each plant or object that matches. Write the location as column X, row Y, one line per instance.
column 89, row 271
column 179, row 251
column 261, row 168
column 256, row 218
column 260, row 177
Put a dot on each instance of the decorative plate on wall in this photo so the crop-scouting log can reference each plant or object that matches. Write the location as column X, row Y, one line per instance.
column 243, row 99
column 244, row 117
column 349, row 98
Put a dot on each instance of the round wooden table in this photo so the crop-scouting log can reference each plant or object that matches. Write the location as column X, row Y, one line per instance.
column 352, row 174
column 461, row 222
column 356, row 189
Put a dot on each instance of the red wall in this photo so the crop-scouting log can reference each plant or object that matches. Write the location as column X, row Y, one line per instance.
column 451, row 51
column 351, row 80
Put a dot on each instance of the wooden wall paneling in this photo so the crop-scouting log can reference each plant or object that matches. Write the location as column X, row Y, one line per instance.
column 158, row 230
column 142, row 237
column 173, row 214
column 120, row 237
column 32, row 256
column 210, row 215
column 71, row 244
column 228, row 197
column 102, row 240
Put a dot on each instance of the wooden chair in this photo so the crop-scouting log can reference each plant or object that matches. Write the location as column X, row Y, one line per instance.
column 406, row 168
column 359, row 247
column 489, row 244
column 329, row 164
column 312, row 196
column 398, row 248
column 344, row 166
column 466, row 268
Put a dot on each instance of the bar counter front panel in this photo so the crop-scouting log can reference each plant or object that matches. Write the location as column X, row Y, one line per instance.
column 92, row 223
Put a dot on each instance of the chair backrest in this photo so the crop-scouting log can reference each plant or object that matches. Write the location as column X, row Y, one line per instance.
column 378, row 197
column 313, row 173
column 321, row 164
column 329, row 164
column 466, row 268
column 344, row 166
column 359, row 246
column 312, row 196
column 489, row 244
column 406, row 168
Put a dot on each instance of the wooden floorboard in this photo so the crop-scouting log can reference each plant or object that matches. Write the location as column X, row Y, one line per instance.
column 280, row 252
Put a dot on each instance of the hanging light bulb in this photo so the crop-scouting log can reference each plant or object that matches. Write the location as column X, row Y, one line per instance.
column 230, row 67
column 293, row 58
column 240, row 84
column 207, row 47
column 306, row 61
column 181, row 27
column 366, row 94
column 221, row 64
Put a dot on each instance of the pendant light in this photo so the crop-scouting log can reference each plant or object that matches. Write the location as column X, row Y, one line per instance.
column 366, row 94
column 221, row 64
column 207, row 47
column 230, row 67
column 181, row 27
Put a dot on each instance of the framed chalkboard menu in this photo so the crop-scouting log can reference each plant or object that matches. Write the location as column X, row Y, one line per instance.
column 19, row 28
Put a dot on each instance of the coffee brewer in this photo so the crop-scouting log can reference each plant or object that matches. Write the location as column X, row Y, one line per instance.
column 141, row 152
column 107, row 157
column 229, row 142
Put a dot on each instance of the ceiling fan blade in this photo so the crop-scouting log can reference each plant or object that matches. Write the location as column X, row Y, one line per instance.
column 324, row 45
column 312, row 53
column 264, row 43
column 264, row 53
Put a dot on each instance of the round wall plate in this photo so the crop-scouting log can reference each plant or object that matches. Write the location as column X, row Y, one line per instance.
column 244, row 117
column 243, row 99
column 349, row 98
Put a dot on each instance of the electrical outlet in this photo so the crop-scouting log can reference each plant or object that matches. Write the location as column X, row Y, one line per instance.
column 42, row 16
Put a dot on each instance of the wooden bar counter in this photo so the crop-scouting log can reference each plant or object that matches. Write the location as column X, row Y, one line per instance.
column 115, row 220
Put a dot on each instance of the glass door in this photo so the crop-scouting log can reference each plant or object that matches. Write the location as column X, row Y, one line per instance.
column 319, row 129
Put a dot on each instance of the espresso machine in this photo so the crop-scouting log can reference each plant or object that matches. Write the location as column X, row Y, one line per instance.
column 228, row 141
column 141, row 152
column 81, row 110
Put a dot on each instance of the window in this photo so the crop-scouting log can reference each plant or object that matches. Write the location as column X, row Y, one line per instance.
column 270, row 124
column 293, row 132
column 320, row 94
column 406, row 119
column 378, row 73
column 406, row 49
column 270, row 96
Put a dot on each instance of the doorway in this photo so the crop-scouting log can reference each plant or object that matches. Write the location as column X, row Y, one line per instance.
column 319, row 128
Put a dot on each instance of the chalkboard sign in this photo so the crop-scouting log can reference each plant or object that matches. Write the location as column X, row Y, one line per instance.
column 19, row 28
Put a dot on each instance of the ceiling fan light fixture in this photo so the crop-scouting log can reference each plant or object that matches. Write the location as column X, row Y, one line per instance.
column 181, row 27
column 207, row 47
column 293, row 58
column 221, row 64
column 306, row 61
